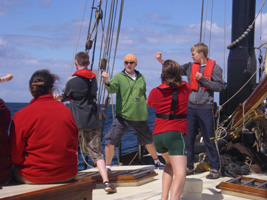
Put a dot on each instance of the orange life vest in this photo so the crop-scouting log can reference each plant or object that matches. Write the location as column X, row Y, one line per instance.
column 207, row 74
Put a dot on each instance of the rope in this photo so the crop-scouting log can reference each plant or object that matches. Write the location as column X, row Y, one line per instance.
column 116, row 46
column 133, row 159
column 118, row 35
column 233, row 169
column 84, row 160
column 230, row 46
column 205, row 21
column 220, row 128
column 108, row 45
column 106, row 41
column 76, row 41
column 261, row 25
column 201, row 21
column 220, row 107
column 224, row 43
column 210, row 25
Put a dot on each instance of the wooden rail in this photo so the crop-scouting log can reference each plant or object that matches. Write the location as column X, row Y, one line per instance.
column 77, row 190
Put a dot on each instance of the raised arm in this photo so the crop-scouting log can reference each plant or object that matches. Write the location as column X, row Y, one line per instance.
column 7, row 77
column 158, row 56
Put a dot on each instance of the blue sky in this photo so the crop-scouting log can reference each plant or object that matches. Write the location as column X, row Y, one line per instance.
column 41, row 34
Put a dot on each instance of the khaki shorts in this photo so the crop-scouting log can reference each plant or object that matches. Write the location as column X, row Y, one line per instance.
column 90, row 141
column 119, row 126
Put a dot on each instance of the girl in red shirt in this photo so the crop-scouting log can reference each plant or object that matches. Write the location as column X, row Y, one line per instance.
column 170, row 101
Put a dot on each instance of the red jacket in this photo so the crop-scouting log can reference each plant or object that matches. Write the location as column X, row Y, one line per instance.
column 5, row 163
column 44, row 139
column 161, row 101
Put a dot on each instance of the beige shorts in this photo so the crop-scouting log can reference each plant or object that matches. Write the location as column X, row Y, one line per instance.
column 90, row 141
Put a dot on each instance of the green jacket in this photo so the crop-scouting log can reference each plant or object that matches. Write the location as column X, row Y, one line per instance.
column 130, row 96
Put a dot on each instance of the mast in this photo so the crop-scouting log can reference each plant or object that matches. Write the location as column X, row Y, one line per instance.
column 242, row 59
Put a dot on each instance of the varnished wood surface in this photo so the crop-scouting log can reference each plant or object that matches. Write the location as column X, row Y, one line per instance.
column 245, row 185
column 119, row 176
column 77, row 190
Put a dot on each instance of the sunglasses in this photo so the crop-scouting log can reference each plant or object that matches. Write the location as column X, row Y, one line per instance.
column 126, row 63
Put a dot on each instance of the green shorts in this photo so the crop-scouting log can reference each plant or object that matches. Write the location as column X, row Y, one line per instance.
column 171, row 141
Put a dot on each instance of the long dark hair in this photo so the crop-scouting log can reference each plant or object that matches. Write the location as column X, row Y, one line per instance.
column 42, row 82
column 171, row 74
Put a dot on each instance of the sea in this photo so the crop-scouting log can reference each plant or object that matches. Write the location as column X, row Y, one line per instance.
column 128, row 141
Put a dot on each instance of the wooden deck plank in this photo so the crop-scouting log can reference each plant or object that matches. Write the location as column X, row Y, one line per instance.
column 80, row 189
column 121, row 176
column 245, row 185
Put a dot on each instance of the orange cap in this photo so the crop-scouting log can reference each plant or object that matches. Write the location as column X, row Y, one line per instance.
column 130, row 57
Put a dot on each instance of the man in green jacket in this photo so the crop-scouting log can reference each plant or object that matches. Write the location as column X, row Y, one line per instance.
column 131, row 109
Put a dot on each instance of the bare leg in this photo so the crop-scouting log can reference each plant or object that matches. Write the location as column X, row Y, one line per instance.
column 166, row 177
column 179, row 169
column 108, row 187
column 109, row 153
column 101, row 165
column 152, row 150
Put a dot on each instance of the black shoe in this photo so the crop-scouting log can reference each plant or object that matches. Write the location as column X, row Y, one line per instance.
column 109, row 188
column 214, row 174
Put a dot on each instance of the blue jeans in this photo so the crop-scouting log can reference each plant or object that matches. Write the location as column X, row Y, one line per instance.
column 203, row 119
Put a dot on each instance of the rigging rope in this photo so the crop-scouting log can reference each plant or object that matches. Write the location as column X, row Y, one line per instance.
column 210, row 25
column 201, row 21
column 220, row 107
column 106, row 44
column 224, row 43
column 205, row 21
column 261, row 25
column 76, row 40
column 218, row 130
column 230, row 46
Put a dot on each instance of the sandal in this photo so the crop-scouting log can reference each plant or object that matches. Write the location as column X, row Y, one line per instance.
column 214, row 174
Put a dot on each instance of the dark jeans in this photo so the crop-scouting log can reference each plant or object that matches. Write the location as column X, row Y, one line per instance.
column 202, row 118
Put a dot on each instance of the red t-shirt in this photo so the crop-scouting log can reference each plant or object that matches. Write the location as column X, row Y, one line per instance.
column 161, row 99
column 44, row 139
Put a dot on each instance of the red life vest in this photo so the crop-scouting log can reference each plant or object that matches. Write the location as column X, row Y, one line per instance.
column 207, row 74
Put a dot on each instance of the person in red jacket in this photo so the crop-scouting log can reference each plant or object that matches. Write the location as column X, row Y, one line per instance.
column 170, row 100
column 5, row 166
column 44, row 136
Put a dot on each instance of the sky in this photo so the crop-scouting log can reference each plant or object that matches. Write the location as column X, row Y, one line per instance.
column 46, row 34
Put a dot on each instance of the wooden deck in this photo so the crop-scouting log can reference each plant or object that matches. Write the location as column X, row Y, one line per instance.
column 152, row 190
column 208, row 189
column 121, row 178
column 77, row 190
